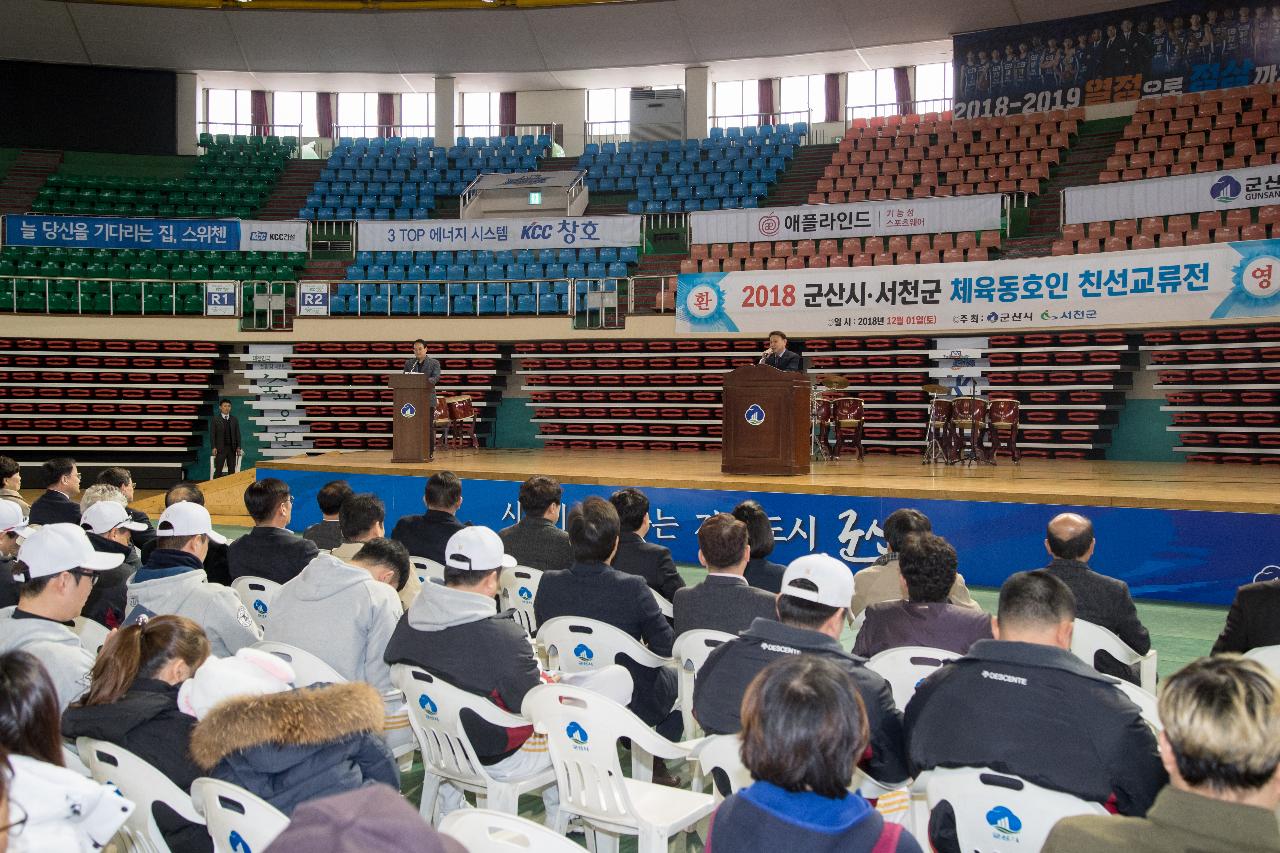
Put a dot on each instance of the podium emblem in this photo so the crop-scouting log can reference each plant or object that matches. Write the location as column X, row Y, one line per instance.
column 407, row 410
column 754, row 414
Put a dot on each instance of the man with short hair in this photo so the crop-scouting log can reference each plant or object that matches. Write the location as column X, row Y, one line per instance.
column 215, row 562
column 173, row 581
column 923, row 617
column 637, row 557
column 57, row 504
column 1100, row 599
column 429, row 367
column 882, row 581
column 1221, row 748
column 534, row 540
column 1023, row 704
column 811, row 609
column 327, row 532
column 13, row 527
column 776, row 354
column 123, row 480
column 224, row 439
column 1253, row 620
column 110, row 531
column 56, row 569
column 724, row 601
column 362, row 519
column 270, row 550
column 426, row 535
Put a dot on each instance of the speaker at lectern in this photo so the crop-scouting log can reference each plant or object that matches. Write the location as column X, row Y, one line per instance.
column 766, row 422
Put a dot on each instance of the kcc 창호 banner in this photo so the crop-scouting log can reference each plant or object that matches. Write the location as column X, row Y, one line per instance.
column 563, row 232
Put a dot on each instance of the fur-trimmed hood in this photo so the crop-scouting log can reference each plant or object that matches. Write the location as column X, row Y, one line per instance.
column 308, row 716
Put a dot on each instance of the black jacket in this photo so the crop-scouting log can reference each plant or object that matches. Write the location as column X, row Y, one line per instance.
column 326, row 534
column 650, row 561
column 789, row 360
column 537, row 543
column 1105, row 601
column 426, row 535
column 54, row 508
column 765, row 575
column 106, row 603
column 8, row 589
column 141, row 538
column 270, row 552
column 224, row 435
column 721, row 603
column 1254, row 619
column 723, row 680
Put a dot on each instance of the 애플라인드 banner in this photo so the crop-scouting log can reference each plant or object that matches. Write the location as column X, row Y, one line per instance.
column 559, row 232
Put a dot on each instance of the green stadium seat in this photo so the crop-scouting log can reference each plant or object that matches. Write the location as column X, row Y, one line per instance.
column 127, row 304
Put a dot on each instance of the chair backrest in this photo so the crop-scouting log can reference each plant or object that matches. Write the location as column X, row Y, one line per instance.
column 1146, row 702
column 256, row 594
column 488, row 830
column 92, row 634
column 575, row 644
column 690, row 653
column 138, row 782
column 664, row 606
column 427, row 570
column 720, row 757
column 308, row 668
column 1088, row 639
column 906, row 666
column 517, row 588
column 238, row 821
column 1268, row 656
column 995, row 812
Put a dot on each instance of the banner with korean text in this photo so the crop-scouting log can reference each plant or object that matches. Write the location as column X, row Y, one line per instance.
column 833, row 221
column 120, row 232
column 564, row 232
column 1166, row 286
column 1237, row 188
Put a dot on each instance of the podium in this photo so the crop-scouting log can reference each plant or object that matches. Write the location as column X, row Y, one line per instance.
column 766, row 422
column 412, row 431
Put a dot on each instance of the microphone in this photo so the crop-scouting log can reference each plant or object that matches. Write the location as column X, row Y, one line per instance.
column 764, row 355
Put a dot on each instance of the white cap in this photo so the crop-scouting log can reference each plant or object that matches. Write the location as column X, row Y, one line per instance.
column 105, row 516
column 833, row 579
column 11, row 518
column 188, row 519
column 58, row 548
column 477, row 549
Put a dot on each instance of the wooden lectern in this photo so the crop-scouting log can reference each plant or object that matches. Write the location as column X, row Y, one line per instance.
column 766, row 422
column 412, row 433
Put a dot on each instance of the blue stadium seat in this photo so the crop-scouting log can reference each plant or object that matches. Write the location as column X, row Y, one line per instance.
column 549, row 303
column 463, row 305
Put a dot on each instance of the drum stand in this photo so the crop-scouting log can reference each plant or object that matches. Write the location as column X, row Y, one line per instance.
column 933, row 449
column 972, row 450
column 817, row 431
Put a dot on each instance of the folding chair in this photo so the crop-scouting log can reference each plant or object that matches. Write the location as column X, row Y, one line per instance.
column 906, row 666
column 690, row 652
column 517, row 588
column 1089, row 639
column 719, row 759
column 237, row 820
column 575, row 644
column 427, row 570
column 140, row 783
column 256, row 594
column 307, row 668
column 495, row 832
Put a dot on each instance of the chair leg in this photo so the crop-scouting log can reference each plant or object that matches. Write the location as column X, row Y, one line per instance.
column 430, row 795
column 652, row 840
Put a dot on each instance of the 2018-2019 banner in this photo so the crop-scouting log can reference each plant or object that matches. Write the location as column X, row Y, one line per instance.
column 834, row 221
column 1236, row 188
column 119, row 232
column 565, row 232
column 1175, row 286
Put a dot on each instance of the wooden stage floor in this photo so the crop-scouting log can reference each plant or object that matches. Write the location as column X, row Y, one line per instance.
column 1155, row 485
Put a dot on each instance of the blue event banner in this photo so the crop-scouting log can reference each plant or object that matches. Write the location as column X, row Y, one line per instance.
column 118, row 232
column 1176, row 555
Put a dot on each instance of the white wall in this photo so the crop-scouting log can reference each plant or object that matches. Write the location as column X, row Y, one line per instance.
column 186, row 113
column 567, row 107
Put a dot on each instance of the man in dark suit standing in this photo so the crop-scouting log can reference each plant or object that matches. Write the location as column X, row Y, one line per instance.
column 1254, row 619
column 422, row 363
column 724, row 601
column 637, row 557
column 777, row 355
column 225, row 439
column 270, row 550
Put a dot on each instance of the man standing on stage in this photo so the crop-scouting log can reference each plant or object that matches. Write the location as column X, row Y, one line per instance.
column 225, row 434
column 429, row 367
column 777, row 355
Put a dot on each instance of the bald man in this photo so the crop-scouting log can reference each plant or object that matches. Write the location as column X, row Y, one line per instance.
column 1100, row 599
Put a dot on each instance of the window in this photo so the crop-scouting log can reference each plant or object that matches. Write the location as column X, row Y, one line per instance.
column 228, row 111
column 737, row 104
column 804, row 98
column 358, row 114
column 294, row 114
column 873, row 93
column 933, row 83
column 480, row 116
column 418, row 114
column 609, row 111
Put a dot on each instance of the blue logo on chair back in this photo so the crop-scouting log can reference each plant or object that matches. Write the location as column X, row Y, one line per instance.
column 260, row 606
column 525, row 593
column 237, row 843
column 576, row 733
column 424, row 702
column 754, row 414
column 584, row 654
column 407, row 410
column 1002, row 819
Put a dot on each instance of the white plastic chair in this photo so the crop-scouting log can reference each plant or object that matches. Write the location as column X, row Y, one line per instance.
column 723, row 753
column 495, row 832
column 575, row 644
column 996, row 812
column 237, row 820
column 583, row 729
column 690, row 653
column 307, row 668
column 435, row 713
column 517, row 588
column 1146, row 702
column 427, row 570
column 1088, row 639
column 664, row 606
column 256, row 594
column 1268, row 656
column 92, row 634
column 140, row 783
column 906, row 666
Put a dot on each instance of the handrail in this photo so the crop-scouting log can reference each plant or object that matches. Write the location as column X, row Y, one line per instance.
column 933, row 105
column 758, row 119
column 112, row 283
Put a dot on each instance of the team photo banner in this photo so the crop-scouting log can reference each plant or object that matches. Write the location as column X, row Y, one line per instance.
column 1174, row 286
column 118, row 232
column 833, row 221
column 1237, row 188
column 563, row 232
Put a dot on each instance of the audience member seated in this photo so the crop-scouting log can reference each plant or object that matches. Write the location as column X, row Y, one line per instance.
column 286, row 746
column 426, row 535
column 534, row 540
column 56, row 570
column 110, row 530
column 123, row 480
column 811, row 607
column 923, row 616
column 270, row 550
column 724, row 601
column 372, row 819
column 760, row 573
column 1221, row 749
column 173, row 581
column 57, row 504
column 50, row 808
column 327, row 533
column 133, row 703
column 1100, row 599
column 457, row 634
column 1024, row 704
column 215, row 562
column 882, row 581
column 804, row 727
column 1253, row 620
column 593, row 589
column 13, row 527
column 11, row 484
column 637, row 557
column 362, row 519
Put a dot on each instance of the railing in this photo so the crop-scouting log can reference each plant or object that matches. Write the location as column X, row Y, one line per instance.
column 114, row 288
column 541, row 287
column 246, row 129
column 534, row 129
column 759, row 119
column 664, row 222
column 600, row 132
column 935, row 105
column 373, row 131
column 664, row 299
column 333, row 235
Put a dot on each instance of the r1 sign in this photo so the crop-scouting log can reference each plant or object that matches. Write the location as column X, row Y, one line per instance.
column 220, row 299
column 313, row 299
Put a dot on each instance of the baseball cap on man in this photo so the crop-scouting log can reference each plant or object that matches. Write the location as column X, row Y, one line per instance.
column 476, row 549
column 105, row 516
column 56, row 548
column 11, row 518
column 833, row 580
column 188, row 519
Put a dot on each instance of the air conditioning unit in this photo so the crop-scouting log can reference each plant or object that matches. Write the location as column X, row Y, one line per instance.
column 657, row 114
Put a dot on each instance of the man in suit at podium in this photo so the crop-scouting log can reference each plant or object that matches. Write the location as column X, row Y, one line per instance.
column 777, row 355
column 430, row 368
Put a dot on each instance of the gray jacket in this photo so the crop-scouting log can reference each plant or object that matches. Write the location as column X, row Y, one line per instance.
column 538, row 544
column 721, row 603
column 214, row 607
column 57, row 648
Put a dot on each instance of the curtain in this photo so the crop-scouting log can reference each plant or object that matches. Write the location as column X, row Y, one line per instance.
column 767, row 108
column 831, row 85
column 507, row 114
column 324, row 115
column 387, row 114
column 902, row 88
column 260, row 124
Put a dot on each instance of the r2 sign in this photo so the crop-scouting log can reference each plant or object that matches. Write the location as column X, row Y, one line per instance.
column 313, row 299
